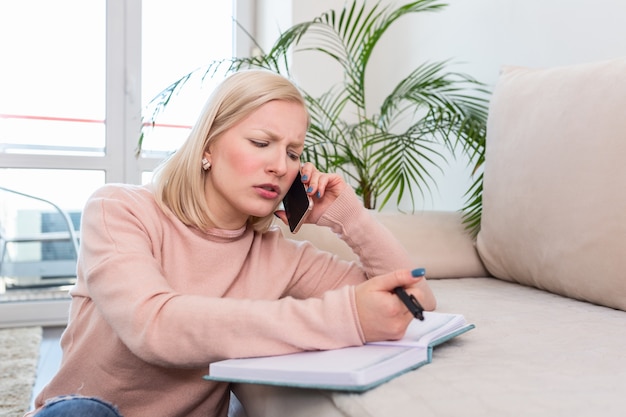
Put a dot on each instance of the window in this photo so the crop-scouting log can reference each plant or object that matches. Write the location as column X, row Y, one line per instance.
column 72, row 96
column 53, row 88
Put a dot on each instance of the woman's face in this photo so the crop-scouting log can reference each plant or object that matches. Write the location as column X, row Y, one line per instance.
column 254, row 163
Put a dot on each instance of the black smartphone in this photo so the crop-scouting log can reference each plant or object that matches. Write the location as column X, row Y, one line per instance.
column 297, row 204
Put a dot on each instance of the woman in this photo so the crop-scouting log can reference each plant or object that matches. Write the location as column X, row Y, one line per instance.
column 187, row 271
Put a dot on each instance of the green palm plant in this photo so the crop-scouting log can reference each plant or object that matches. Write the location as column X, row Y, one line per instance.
column 390, row 152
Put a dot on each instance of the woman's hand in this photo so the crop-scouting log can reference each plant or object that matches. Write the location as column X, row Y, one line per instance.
column 322, row 188
column 381, row 313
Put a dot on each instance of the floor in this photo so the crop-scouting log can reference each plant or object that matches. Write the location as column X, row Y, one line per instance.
column 49, row 357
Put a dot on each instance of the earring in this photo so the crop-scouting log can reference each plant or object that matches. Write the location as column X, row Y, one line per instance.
column 205, row 164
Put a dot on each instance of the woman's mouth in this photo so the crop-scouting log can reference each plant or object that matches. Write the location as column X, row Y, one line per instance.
column 268, row 191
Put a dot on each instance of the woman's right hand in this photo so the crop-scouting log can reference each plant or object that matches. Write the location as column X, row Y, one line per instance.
column 381, row 313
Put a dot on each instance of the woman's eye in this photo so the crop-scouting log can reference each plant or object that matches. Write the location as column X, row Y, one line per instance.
column 258, row 144
column 293, row 156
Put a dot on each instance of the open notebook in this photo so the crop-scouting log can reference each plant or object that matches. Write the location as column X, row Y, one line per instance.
column 351, row 369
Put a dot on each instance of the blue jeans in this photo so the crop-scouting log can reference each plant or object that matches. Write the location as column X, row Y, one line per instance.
column 76, row 406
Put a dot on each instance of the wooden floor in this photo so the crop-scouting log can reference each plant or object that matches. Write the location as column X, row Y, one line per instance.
column 49, row 357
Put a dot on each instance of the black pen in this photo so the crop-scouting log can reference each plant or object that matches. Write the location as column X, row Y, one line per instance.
column 410, row 302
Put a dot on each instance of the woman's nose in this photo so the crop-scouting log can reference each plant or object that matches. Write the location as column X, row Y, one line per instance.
column 278, row 166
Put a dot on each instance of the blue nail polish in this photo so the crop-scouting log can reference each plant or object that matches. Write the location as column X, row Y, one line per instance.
column 418, row 272
column 305, row 177
column 310, row 189
column 318, row 194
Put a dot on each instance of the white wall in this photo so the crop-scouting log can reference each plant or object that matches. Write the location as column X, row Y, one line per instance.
column 479, row 36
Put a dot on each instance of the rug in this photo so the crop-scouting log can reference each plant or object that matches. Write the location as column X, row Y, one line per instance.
column 19, row 353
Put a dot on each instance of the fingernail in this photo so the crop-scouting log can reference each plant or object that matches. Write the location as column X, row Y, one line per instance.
column 318, row 194
column 305, row 177
column 418, row 272
column 310, row 189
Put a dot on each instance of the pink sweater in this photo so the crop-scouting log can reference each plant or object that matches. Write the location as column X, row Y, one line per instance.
column 156, row 301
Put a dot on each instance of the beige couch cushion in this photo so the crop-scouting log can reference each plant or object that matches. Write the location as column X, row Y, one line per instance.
column 437, row 241
column 554, row 202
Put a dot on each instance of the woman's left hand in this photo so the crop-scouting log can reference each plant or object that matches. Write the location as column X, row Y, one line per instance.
column 321, row 187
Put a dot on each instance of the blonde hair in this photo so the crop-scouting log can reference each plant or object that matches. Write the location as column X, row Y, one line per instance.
column 179, row 181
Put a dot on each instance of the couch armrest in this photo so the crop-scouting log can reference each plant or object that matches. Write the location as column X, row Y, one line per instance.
column 437, row 241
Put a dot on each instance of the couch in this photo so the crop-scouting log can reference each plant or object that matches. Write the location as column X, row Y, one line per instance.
column 544, row 281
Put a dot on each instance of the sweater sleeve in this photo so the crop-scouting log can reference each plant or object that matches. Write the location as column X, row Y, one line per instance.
column 378, row 250
column 194, row 322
